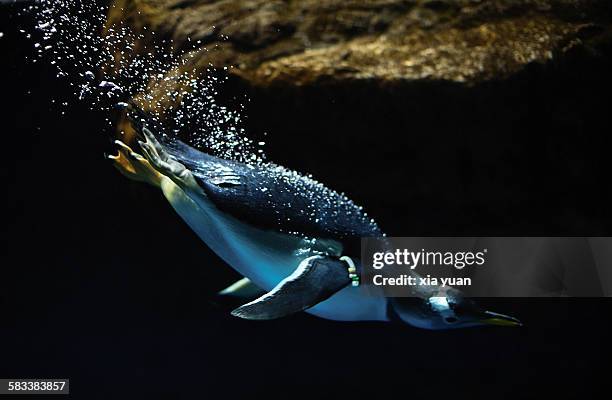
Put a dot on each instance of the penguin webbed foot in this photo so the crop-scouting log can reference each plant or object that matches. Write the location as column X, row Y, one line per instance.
column 159, row 158
column 133, row 165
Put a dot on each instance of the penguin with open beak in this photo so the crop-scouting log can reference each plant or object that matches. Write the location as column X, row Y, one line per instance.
column 296, row 242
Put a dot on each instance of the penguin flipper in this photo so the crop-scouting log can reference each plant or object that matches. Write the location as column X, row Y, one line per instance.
column 244, row 289
column 316, row 279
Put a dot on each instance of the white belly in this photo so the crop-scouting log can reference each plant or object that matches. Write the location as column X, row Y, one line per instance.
column 267, row 257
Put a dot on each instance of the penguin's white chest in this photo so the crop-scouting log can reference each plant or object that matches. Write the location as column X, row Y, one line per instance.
column 267, row 257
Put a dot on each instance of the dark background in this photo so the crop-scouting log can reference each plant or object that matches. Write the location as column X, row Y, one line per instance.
column 102, row 283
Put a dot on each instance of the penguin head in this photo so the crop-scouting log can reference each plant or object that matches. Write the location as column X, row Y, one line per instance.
column 446, row 312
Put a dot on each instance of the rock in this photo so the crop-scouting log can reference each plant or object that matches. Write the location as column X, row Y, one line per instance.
column 304, row 42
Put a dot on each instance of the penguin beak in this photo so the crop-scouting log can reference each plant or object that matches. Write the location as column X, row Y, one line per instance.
column 492, row 318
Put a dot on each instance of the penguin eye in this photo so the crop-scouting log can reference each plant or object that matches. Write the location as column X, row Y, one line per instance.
column 450, row 320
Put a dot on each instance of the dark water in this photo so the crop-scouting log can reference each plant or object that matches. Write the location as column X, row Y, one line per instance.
column 100, row 282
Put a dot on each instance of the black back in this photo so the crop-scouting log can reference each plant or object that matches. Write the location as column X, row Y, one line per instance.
column 269, row 196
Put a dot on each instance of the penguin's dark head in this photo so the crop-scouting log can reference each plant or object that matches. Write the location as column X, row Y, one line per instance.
column 448, row 312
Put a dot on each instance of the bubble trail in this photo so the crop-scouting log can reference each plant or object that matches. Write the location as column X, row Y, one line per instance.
column 108, row 66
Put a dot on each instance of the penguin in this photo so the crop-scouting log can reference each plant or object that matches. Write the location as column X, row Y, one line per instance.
column 296, row 242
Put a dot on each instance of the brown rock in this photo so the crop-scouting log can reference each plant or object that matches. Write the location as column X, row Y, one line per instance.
column 296, row 43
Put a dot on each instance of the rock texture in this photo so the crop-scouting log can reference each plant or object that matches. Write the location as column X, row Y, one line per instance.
column 306, row 42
